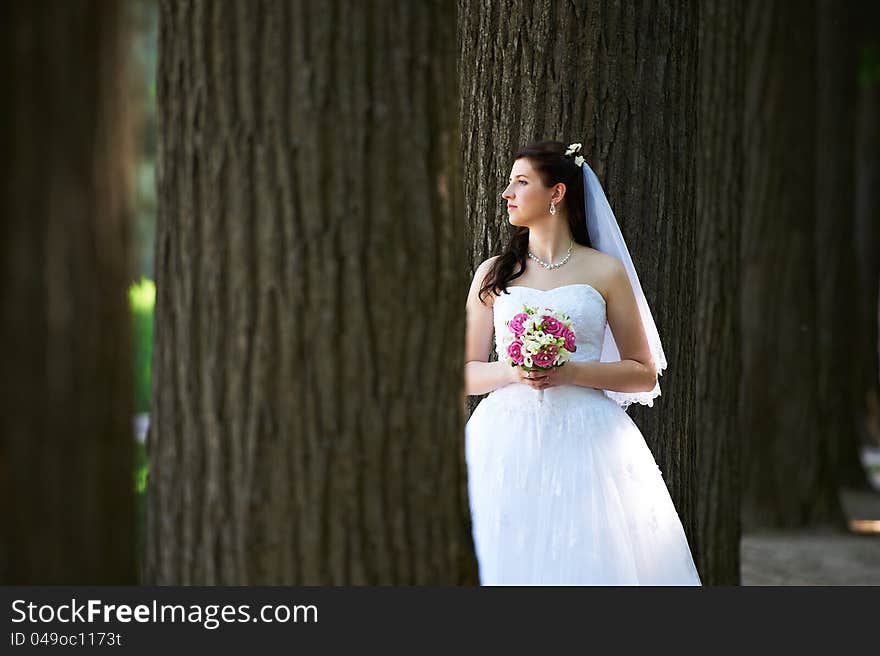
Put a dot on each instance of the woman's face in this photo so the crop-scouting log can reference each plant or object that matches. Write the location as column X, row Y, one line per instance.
column 528, row 200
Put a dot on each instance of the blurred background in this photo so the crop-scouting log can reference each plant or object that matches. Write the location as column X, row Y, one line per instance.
column 142, row 292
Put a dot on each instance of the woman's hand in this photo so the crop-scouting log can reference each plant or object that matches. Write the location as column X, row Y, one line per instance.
column 542, row 379
column 536, row 379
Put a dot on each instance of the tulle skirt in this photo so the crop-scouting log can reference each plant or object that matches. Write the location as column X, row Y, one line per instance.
column 564, row 491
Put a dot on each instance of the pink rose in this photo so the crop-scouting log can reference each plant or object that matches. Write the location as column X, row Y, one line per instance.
column 553, row 326
column 569, row 340
column 516, row 324
column 514, row 350
column 545, row 357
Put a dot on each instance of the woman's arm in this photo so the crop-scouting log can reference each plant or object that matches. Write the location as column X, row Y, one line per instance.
column 480, row 375
column 624, row 376
column 636, row 371
column 484, row 377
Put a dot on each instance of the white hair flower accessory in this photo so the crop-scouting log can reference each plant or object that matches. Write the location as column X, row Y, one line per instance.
column 575, row 150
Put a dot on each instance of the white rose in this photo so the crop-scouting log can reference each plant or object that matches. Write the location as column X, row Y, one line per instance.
column 530, row 346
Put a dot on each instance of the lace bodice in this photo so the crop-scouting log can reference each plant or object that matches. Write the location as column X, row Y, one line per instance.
column 582, row 302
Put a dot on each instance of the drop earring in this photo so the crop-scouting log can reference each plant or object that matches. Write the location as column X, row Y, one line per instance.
column 552, row 208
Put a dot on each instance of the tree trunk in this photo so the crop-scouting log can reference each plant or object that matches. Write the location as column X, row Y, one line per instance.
column 307, row 419
column 836, row 283
column 719, row 195
column 623, row 81
column 786, row 478
column 867, row 228
column 66, row 437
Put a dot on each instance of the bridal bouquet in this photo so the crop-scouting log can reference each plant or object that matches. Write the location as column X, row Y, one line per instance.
column 538, row 339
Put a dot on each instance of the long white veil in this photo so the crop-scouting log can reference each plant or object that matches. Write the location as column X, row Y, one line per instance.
column 605, row 236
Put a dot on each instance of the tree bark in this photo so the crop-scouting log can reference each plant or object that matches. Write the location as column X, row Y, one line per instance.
column 787, row 481
column 836, row 277
column 307, row 421
column 66, row 442
column 623, row 81
column 867, row 225
column 719, row 196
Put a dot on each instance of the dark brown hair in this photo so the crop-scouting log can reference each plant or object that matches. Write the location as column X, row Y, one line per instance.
column 549, row 160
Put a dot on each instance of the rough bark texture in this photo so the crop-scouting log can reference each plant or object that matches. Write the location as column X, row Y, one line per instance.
column 836, row 284
column 622, row 80
column 307, row 418
column 66, row 443
column 719, row 204
column 867, row 228
column 788, row 480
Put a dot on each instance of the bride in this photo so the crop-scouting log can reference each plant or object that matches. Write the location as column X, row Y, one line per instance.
column 563, row 489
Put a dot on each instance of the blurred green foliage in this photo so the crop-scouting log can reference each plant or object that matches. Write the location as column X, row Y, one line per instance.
column 142, row 294
column 141, row 469
column 869, row 65
column 142, row 298
column 142, row 301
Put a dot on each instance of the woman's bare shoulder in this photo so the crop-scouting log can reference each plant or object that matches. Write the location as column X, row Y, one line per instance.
column 479, row 280
column 601, row 268
column 486, row 264
column 608, row 264
column 483, row 269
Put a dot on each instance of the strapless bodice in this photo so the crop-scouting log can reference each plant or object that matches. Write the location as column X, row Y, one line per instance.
column 582, row 302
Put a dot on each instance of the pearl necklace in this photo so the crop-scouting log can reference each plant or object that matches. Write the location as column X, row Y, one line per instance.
column 547, row 265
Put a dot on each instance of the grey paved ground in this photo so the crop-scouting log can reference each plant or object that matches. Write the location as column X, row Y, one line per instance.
column 817, row 556
column 810, row 558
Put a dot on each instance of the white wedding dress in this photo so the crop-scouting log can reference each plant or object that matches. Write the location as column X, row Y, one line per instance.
column 564, row 490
